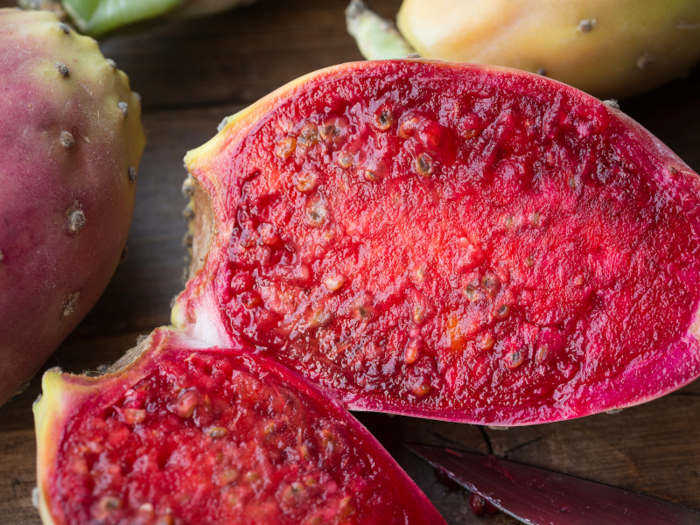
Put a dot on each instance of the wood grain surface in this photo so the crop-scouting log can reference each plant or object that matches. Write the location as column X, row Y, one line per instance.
column 193, row 73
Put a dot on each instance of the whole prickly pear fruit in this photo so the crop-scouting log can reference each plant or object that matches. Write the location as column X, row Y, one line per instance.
column 615, row 49
column 70, row 141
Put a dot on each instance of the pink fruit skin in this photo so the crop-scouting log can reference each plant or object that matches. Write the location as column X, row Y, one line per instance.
column 655, row 371
column 67, row 200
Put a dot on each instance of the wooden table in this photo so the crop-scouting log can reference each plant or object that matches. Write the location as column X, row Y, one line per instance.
column 193, row 73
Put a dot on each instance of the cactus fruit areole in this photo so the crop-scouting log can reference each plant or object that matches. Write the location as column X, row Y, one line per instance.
column 465, row 243
column 176, row 433
column 608, row 48
column 70, row 140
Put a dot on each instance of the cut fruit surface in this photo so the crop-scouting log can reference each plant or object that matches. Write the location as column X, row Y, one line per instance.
column 457, row 242
column 182, row 434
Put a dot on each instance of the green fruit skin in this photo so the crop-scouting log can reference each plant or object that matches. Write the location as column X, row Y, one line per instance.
column 99, row 17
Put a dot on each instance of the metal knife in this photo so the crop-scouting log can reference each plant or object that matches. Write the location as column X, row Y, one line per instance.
column 541, row 497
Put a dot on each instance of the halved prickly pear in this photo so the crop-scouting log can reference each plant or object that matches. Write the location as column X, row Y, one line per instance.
column 610, row 49
column 70, row 143
column 458, row 242
column 175, row 433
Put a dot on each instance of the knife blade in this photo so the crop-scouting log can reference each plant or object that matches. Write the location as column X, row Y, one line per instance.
column 537, row 496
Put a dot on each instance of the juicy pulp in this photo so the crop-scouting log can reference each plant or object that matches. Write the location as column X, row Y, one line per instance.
column 177, row 433
column 459, row 242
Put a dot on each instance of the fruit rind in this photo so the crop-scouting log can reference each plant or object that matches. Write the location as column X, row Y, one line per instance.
column 49, row 410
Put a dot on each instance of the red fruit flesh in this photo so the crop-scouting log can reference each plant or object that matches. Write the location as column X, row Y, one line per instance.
column 456, row 242
column 205, row 436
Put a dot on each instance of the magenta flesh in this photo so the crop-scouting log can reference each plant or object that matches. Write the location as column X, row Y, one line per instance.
column 464, row 243
column 211, row 437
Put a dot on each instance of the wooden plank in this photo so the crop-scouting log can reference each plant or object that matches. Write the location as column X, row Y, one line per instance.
column 652, row 448
column 17, row 478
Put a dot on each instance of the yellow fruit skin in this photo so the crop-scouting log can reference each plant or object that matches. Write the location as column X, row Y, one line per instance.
column 608, row 48
column 51, row 411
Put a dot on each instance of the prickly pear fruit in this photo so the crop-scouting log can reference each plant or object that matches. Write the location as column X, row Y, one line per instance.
column 609, row 49
column 98, row 17
column 458, row 242
column 70, row 140
column 177, row 433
